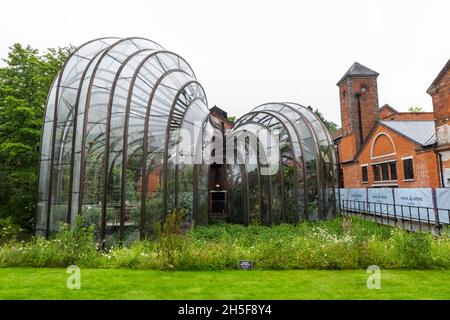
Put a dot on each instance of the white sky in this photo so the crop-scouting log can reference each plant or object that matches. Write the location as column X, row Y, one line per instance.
column 249, row 52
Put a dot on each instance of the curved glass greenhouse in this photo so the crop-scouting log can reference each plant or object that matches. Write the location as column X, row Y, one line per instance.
column 303, row 187
column 128, row 137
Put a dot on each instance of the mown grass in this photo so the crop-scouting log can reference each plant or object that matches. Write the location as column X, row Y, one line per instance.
column 42, row 283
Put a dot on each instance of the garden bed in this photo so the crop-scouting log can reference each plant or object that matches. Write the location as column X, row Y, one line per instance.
column 341, row 243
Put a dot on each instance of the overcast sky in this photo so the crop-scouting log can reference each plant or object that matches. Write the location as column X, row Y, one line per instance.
column 246, row 53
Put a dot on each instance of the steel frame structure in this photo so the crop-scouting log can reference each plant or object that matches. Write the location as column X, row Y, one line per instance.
column 109, row 138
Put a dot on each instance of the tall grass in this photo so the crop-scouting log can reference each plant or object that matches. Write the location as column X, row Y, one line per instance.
column 341, row 243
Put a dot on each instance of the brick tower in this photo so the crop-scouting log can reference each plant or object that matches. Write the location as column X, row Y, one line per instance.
column 359, row 107
column 440, row 93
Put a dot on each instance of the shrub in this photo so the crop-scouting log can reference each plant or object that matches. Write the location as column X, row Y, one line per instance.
column 380, row 253
column 65, row 248
column 171, row 243
column 8, row 230
column 440, row 252
column 76, row 246
column 414, row 249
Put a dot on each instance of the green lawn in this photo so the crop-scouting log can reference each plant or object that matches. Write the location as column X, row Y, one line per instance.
column 33, row 283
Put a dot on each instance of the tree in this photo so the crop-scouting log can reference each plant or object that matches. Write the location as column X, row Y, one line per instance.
column 232, row 119
column 331, row 126
column 415, row 109
column 24, row 85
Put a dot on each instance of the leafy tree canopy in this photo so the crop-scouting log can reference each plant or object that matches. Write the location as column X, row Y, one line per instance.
column 331, row 126
column 415, row 109
column 232, row 119
column 24, row 85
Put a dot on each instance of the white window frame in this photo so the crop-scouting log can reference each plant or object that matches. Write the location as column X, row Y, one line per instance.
column 385, row 181
column 373, row 145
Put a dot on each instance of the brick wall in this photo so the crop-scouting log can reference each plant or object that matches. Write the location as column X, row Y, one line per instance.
column 441, row 105
column 425, row 163
column 426, row 170
column 368, row 102
column 382, row 145
column 386, row 113
column 346, row 112
column 349, row 91
column 347, row 148
column 352, row 176
column 408, row 116
column 441, row 100
column 153, row 181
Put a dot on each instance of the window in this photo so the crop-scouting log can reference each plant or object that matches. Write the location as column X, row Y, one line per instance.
column 393, row 168
column 386, row 171
column 376, row 172
column 364, row 175
column 408, row 169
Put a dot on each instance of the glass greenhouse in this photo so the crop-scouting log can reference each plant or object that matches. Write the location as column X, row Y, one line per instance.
column 128, row 137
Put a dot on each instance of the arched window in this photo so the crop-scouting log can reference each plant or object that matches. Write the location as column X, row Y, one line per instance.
column 382, row 151
column 382, row 146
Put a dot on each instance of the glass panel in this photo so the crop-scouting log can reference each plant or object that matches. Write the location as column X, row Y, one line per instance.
column 201, row 213
column 236, row 194
column 70, row 82
column 131, row 139
column 376, row 172
column 393, row 168
column 365, row 177
column 408, row 169
column 385, row 171
column 116, row 62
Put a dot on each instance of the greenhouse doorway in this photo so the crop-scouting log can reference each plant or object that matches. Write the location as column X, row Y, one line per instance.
column 217, row 193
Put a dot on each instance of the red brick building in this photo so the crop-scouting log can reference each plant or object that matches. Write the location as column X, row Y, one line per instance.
column 440, row 94
column 381, row 147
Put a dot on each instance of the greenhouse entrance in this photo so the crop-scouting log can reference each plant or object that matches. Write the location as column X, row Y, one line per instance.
column 217, row 193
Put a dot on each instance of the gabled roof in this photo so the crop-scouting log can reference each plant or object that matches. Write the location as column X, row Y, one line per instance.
column 358, row 70
column 218, row 111
column 421, row 132
column 439, row 77
column 386, row 106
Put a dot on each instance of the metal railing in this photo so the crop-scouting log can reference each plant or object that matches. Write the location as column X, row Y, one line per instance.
column 413, row 218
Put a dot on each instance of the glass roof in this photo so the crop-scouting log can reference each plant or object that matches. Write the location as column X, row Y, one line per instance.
column 128, row 137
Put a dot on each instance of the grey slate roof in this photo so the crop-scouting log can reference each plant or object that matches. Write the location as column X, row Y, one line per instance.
column 422, row 132
column 358, row 70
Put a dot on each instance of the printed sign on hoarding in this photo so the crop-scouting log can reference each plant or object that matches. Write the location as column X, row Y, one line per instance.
column 357, row 199
column 381, row 200
column 343, row 196
column 443, row 204
column 414, row 203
